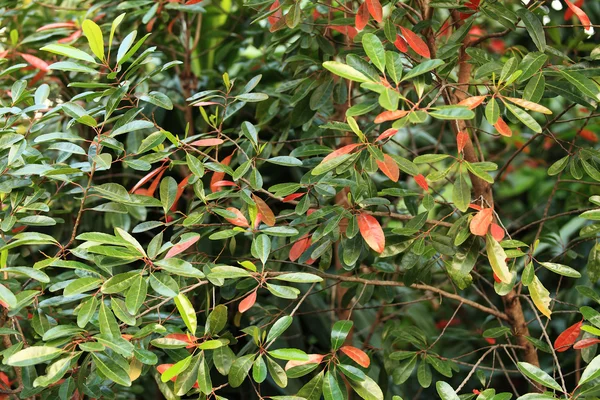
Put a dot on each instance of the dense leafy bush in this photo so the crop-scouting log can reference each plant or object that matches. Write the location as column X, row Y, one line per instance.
column 296, row 200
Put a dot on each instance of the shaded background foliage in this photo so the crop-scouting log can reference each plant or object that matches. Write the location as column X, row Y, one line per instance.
column 295, row 97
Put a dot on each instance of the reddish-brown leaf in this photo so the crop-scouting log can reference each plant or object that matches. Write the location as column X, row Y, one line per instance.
column 503, row 128
column 264, row 210
column 472, row 101
column 581, row 15
column 583, row 343
column 239, row 219
column 362, row 17
column 389, row 167
column 299, row 247
column 35, row 62
column 480, row 224
column 312, row 359
column 71, row 38
column 375, row 9
column 462, row 138
column 184, row 338
column 371, row 231
column 292, row 197
column 190, row 2
column 220, row 184
column 388, row 133
column 180, row 189
column 218, row 176
column 415, row 42
column 421, row 181
column 163, row 367
column 588, row 135
column 566, row 339
column 497, row 232
column 207, row 142
column 390, row 116
column 340, row 152
column 147, row 177
column 346, row 30
column 247, row 303
column 357, row 355
column 401, row 44
column 181, row 247
column 57, row 25
column 276, row 16
column 496, row 278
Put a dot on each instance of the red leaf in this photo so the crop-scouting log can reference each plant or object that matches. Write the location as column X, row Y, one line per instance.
column 184, row 338
column 566, row 339
column 340, row 152
column 349, row 31
column 421, row 181
column 277, row 15
column 497, row 279
column 357, row 355
column 181, row 247
column 401, row 44
column 247, row 303
column 583, row 343
column 264, row 210
column 588, row 135
column 147, row 177
column 388, row 133
column 497, row 232
column 475, row 207
column 292, row 197
column 71, row 38
column 472, row 101
column 218, row 176
column 389, row 167
column 390, row 116
column 502, row 128
column 57, row 25
column 569, row 13
column 415, row 42
column 480, row 224
column 462, row 138
column 312, row 359
column 180, row 189
column 207, row 142
column 239, row 220
column 375, row 9
column 190, row 2
column 473, row 4
column 371, row 231
column 362, row 17
column 299, row 247
column 223, row 183
column 35, row 62
column 163, row 367
column 581, row 15
column 444, row 29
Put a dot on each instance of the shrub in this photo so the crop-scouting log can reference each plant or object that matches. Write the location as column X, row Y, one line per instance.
column 296, row 200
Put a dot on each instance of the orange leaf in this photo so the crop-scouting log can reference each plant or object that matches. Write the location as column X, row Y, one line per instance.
column 502, row 128
column 147, row 177
column 299, row 247
column 388, row 133
column 127, row 337
column 357, row 355
column 588, row 135
column 265, row 211
column 312, row 359
column 347, row 30
column 389, row 167
column 292, row 197
column 276, row 16
column 371, row 231
column 462, row 138
column 181, row 247
column 375, row 9
column 415, row 42
column 218, row 176
column 71, row 38
column 569, row 13
column 340, row 152
column 239, row 220
column 497, row 279
column 583, row 343
column 184, row 337
column 401, row 44
column 190, row 2
column 566, row 339
column 57, row 25
column 472, row 102
column 421, row 181
column 220, row 184
column 497, row 232
column 35, row 62
column 247, row 303
column 390, row 116
column 207, row 142
column 480, row 224
column 180, row 189
column 163, row 367
column 581, row 15
column 362, row 17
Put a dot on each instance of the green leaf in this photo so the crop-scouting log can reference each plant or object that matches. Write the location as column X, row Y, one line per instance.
column 561, row 269
column 176, row 369
column 374, row 49
column 345, row 71
column 445, row 391
column 492, row 111
column 68, row 51
column 331, row 387
column 136, row 295
column 461, row 193
column 558, row 166
column 93, row 33
column 422, row 68
column 367, row 389
column 261, row 248
column 451, row 112
column 299, row 277
column 289, row 354
column 239, row 370
column 8, row 297
column 537, row 375
column 279, row 327
column 187, row 312
column 178, row 266
column 591, row 372
column 339, row 332
column 585, row 85
column 534, row 28
column 524, row 117
column 203, row 378
column 111, row 369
